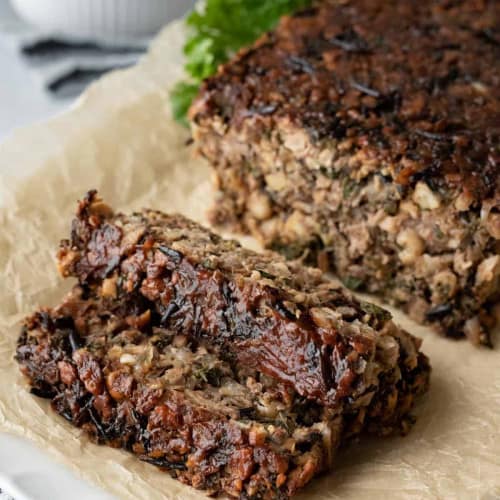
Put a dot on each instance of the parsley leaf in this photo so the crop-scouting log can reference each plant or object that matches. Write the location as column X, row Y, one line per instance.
column 181, row 97
column 216, row 32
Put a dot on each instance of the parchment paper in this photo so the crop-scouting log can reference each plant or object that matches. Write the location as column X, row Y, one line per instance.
column 120, row 140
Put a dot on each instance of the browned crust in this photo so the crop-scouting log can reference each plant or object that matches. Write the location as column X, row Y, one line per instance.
column 414, row 84
column 116, row 407
column 275, row 316
column 74, row 356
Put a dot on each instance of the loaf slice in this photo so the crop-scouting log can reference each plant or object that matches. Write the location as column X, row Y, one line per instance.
column 278, row 317
column 363, row 136
column 240, row 373
column 180, row 403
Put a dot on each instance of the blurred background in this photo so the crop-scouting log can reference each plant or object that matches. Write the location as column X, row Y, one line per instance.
column 50, row 50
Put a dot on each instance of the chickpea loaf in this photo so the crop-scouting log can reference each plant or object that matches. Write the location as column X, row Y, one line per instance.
column 363, row 135
column 237, row 372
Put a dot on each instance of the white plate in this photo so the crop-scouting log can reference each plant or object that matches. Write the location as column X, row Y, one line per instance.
column 26, row 473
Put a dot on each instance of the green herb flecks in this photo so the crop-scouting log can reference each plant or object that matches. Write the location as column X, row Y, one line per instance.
column 353, row 283
column 216, row 31
column 329, row 172
column 438, row 232
column 289, row 250
column 209, row 375
column 209, row 264
column 265, row 274
column 391, row 207
column 377, row 312
column 348, row 188
column 286, row 422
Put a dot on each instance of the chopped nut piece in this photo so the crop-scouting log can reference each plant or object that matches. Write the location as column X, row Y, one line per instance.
column 493, row 225
column 413, row 246
column 425, row 198
column 260, row 206
column 128, row 359
column 109, row 288
column 445, row 286
column 276, row 181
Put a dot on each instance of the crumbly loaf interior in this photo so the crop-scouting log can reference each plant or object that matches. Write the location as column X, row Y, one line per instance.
column 184, row 406
column 428, row 251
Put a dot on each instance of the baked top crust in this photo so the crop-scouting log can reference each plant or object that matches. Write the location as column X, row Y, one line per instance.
column 281, row 318
column 414, row 84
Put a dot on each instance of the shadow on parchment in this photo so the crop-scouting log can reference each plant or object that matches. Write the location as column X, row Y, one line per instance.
column 386, row 455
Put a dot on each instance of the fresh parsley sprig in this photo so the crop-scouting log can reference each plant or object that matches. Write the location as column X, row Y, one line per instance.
column 216, row 31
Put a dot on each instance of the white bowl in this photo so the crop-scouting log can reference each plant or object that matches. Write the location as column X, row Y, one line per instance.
column 101, row 19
